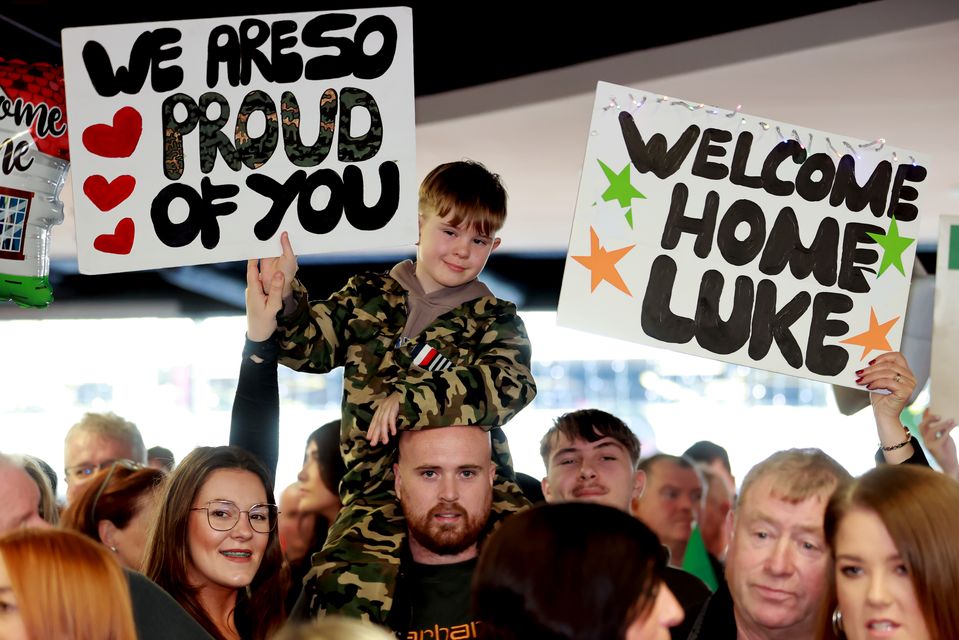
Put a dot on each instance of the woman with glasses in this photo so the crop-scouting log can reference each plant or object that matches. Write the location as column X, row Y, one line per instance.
column 255, row 423
column 117, row 508
column 215, row 547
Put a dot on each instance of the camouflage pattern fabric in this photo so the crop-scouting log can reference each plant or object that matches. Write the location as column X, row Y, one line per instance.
column 254, row 152
column 489, row 382
column 173, row 161
column 213, row 140
column 299, row 153
column 366, row 145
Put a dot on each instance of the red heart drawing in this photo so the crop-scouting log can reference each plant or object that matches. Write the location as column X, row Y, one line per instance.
column 117, row 141
column 106, row 195
column 120, row 241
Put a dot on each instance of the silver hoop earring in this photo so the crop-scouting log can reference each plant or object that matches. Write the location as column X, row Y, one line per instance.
column 837, row 622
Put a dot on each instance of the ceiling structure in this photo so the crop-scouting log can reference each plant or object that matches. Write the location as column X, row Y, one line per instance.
column 514, row 87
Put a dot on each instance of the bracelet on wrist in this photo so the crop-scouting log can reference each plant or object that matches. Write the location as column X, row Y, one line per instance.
column 899, row 445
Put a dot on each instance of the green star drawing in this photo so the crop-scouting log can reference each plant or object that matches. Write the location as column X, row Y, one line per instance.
column 620, row 188
column 892, row 245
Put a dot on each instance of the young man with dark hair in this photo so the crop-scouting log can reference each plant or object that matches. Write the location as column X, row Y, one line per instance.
column 593, row 456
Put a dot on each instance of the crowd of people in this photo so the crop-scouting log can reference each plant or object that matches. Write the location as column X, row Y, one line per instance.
column 408, row 516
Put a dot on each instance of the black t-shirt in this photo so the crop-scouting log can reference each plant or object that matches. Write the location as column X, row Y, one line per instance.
column 433, row 601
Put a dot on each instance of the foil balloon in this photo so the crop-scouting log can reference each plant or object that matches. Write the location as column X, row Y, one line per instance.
column 34, row 158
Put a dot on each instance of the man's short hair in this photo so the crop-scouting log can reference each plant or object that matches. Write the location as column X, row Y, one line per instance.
column 797, row 475
column 646, row 465
column 705, row 451
column 590, row 425
column 113, row 427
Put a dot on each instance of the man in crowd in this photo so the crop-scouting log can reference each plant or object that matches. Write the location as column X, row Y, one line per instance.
column 444, row 485
column 592, row 456
column 777, row 565
column 19, row 495
column 711, row 455
column 672, row 502
column 94, row 443
column 716, row 521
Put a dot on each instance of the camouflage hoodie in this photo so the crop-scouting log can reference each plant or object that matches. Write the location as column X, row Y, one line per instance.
column 486, row 381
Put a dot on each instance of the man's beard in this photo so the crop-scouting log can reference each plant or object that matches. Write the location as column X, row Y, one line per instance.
column 448, row 538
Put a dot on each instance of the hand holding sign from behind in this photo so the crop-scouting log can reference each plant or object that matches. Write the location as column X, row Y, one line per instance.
column 263, row 302
column 891, row 373
column 891, row 382
column 285, row 263
column 935, row 432
column 383, row 424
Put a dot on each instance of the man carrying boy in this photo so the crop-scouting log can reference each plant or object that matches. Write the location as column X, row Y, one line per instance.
column 424, row 346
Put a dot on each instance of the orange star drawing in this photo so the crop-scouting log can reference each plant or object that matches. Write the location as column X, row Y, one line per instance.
column 602, row 264
column 875, row 337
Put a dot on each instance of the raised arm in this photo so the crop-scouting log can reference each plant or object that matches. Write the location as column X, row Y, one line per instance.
column 890, row 382
column 255, row 420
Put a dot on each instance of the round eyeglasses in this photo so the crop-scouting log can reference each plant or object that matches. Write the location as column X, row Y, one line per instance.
column 224, row 514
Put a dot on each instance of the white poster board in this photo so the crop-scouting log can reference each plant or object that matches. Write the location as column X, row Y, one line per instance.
column 944, row 384
column 740, row 238
column 199, row 141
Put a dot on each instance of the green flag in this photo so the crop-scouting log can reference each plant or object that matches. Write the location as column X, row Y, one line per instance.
column 697, row 561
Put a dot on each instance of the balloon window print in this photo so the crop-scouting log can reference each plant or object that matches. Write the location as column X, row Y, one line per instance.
column 14, row 212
